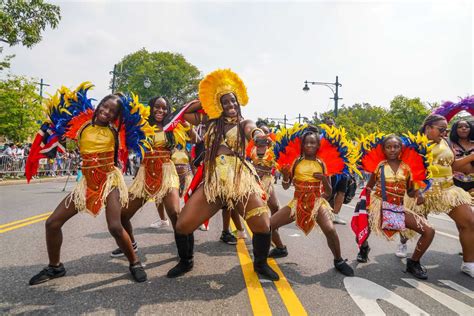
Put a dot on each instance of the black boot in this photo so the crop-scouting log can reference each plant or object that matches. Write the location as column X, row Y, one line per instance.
column 261, row 246
column 185, row 244
column 363, row 255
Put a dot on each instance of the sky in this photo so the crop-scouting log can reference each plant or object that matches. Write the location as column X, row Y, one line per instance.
column 379, row 49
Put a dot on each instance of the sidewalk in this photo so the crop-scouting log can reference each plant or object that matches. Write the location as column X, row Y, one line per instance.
column 41, row 180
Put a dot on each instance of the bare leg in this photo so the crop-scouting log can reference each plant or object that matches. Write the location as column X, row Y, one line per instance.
column 427, row 234
column 161, row 211
column 274, row 206
column 54, row 234
column 236, row 219
column 226, row 214
column 114, row 224
column 329, row 231
column 464, row 219
column 127, row 213
column 171, row 204
column 281, row 218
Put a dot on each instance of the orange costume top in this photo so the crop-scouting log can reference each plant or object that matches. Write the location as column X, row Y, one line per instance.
column 157, row 173
column 307, row 199
column 100, row 175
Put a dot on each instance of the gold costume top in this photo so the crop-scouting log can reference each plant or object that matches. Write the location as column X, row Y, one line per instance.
column 180, row 157
column 306, row 168
column 443, row 158
column 159, row 139
column 395, row 182
column 229, row 140
column 96, row 139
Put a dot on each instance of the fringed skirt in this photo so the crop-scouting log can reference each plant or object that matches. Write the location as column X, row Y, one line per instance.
column 442, row 197
column 155, row 178
column 232, row 182
column 306, row 204
column 100, row 177
column 267, row 183
column 375, row 217
column 185, row 175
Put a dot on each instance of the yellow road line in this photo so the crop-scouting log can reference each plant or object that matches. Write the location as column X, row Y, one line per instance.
column 24, row 224
column 25, row 219
column 257, row 298
column 288, row 296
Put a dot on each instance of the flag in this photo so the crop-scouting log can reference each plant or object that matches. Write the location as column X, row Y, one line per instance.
column 360, row 219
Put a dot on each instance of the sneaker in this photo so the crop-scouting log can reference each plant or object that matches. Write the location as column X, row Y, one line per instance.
column 241, row 234
column 468, row 268
column 338, row 220
column 138, row 272
column 48, row 273
column 119, row 253
column 228, row 238
column 160, row 223
column 203, row 228
column 363, row 255
column 343, row 267
column 416, row 269
column 401, row 251
column 278, row 252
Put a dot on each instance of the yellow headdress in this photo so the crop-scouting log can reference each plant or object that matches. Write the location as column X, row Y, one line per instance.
column 215, row 85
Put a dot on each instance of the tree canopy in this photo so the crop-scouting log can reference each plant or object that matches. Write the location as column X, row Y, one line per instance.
column 168, row 75
column 22, row 21
column 20, row 108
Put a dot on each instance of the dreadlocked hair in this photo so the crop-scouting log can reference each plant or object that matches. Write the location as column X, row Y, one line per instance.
column 430, row 120
column 311, row 130
column 170, row 141
column 119, row 118
column 215, row 135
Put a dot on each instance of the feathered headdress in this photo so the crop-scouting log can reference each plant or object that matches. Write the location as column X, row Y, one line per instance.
column 416, row 153
column 61, row 108
column 335, row 150
column 450, row 109
column 215, row 85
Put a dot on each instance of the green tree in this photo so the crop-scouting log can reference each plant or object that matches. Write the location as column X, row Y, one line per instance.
column 22, row 21
column 169, row 75
column 20, row 109
column 405, row 114
column 5, row 61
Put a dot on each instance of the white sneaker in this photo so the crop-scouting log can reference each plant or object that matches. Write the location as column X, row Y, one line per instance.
column 338, row 220
column 468, row 268
column 241, row 234
column 401, row 251
column 160, row 223
column 203, row 228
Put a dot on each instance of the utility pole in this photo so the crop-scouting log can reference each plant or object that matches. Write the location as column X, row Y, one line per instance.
column 284, row 120
column 42, row 84
column 336, row 97
column 113, row 73
column 335, row 91
column 299, row 118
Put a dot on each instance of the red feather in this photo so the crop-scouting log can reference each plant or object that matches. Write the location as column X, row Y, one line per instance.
column 32, row 162
column 292, row 152
column 372, row 159
column 415, row 162
column 331, row 157
column 77, row 123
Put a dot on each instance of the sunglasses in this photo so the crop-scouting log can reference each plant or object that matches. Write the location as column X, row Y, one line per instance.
column 441, row 129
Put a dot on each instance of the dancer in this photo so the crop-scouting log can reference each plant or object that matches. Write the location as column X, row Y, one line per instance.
column 157, row 177
column 394, row 164
column 443, row 196
column 307, row 161
column 102, row 185
column 461, row 139
column 229, row 180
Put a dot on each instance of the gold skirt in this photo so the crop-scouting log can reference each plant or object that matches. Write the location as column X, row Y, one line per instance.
column 232, row 182
column 267, row 183
column 442, row 197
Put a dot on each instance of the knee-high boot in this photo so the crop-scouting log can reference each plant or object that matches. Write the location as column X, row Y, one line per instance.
column 261, row 246
column 185, row 244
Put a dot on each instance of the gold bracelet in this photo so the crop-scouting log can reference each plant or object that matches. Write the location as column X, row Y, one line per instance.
column 255, row 130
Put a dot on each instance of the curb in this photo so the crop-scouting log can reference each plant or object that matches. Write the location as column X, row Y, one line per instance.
column 43, row 180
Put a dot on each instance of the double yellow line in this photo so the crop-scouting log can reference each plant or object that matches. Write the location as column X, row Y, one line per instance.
column 258, row 300
column 24, row 222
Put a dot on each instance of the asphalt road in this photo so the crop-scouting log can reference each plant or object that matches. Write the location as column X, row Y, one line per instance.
column 222, row 281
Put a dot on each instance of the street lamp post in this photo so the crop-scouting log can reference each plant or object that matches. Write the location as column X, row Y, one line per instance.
column 330, row 85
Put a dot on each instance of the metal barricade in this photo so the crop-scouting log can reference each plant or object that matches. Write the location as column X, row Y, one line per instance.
column 14, row 167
